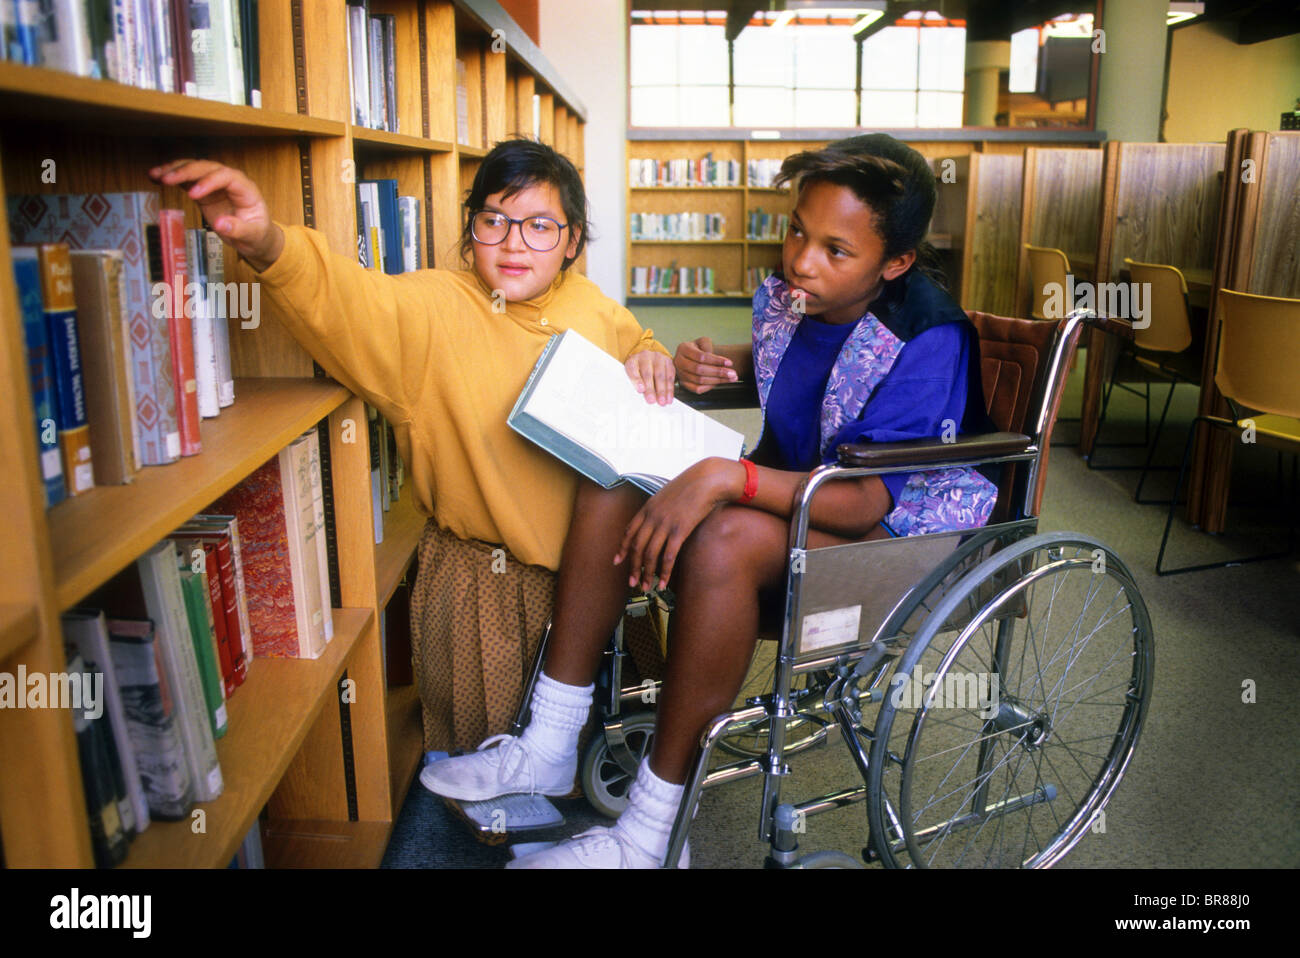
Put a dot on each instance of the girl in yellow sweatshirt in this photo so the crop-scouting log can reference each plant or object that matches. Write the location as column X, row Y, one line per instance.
column 443, row 355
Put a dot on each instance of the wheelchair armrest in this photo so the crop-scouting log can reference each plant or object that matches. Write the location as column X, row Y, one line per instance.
column 927, row 451
column 1122, row 328
column 723, row 396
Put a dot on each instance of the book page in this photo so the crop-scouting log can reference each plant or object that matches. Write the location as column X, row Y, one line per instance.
column 585, row 394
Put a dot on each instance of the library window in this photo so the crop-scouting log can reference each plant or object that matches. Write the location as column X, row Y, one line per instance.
column 811, row 70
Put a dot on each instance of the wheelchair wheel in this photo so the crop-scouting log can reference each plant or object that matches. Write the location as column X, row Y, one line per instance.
column 605, row 782
column 1015, row 710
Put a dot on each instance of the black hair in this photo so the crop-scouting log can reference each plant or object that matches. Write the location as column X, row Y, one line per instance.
column 893, row 180
column 513, row 166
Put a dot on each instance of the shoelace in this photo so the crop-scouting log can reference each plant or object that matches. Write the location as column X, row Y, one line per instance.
column 509, row 748
column 597, row 838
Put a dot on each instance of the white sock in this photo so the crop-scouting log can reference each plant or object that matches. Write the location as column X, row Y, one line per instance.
column 559, row 712
column 651, row 809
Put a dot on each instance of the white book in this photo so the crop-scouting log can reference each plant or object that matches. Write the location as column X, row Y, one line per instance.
column 375, row 60
column 146, row 46
column 88, row 630
column 205, row 347
column 216, row 263
column 300, row 518
column 235, row 51
column 359, row 64
column 322, row 546
column 65, row 37
column 165, row 45
column 408, row 211
column 580, row 406
column 165, row 603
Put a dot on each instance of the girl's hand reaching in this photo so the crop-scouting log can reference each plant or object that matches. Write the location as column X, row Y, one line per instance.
column 232, row 205
column 652, row 373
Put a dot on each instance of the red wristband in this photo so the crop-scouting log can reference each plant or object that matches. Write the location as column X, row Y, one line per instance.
column 751, row 483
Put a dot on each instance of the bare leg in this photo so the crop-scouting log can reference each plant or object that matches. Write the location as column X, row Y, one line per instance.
column 728, row 558
column 591, row 592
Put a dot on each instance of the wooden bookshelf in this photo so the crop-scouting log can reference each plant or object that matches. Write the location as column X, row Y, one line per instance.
column 269, row 717
column 284, row 757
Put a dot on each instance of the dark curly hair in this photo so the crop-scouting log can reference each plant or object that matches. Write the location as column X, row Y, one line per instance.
column 893, row 180
column 513, row 166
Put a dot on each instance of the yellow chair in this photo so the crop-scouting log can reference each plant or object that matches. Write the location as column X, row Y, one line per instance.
column 1159, row 348
column 1047, row 267
column 1259, row 342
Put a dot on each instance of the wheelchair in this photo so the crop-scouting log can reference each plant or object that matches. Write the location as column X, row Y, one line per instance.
column 989, row 684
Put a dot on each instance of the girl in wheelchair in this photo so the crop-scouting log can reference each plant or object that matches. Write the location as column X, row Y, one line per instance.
column 852, row 342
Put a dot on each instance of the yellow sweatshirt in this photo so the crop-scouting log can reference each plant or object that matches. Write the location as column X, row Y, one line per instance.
column 428, row 351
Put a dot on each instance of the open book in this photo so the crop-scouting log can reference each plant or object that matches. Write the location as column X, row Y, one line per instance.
column 580, row 406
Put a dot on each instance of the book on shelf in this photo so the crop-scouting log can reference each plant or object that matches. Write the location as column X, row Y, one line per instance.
column 203, row 560
column 198, row 309
column 126, row 222
column 372, row 68
column 359, row 60
column 408, row 212
column 170, row 267
column 103, row 325
column 40, row 371
column 380, row 203
column 165, row 602
column 219, row 534
column 87, row 629
column 370, row 241
column 198, row 609
column 704, row 171
column 580, row 406
column 215, row 264
column 375, row 436
column 315, row 490
column 151, row 720
column 250, row 853
column 206, row 48
column 108, row 837
column 678, row 227
column 375, row 60
column 285, row 587
column 683, row 280
column 69, row 382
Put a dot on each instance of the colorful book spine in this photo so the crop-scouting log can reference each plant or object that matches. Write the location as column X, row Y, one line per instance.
column 40, row 370
column 105, row 354
column 61, row 323
column 216, row 265
column 198, row 308
column 199, row 612
column 175, row 274
column 151, row 719
column 88, row 630
column 127, row 222
column 107, row 837
column 276, row 606
column 165, row 602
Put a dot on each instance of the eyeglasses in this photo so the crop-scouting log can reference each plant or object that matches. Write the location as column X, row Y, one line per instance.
column 540, row 233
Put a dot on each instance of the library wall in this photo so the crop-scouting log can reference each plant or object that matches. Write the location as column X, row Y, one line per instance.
column 1261, row 80
column 597, row 73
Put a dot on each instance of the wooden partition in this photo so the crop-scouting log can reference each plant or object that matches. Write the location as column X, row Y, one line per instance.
column 1159, row 204
column 1060, row 208
column 991, row 233
column 1259, row 252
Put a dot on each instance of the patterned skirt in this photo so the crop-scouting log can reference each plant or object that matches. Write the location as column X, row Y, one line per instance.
column 477, row 615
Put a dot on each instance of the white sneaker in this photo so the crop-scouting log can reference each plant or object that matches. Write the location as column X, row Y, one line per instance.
column 597, row 848
column 506, row 769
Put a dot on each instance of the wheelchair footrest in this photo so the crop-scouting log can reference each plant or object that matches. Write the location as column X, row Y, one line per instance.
column 494, row 820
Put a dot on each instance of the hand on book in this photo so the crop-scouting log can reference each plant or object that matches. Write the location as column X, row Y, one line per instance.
column 656, row 534
column 652, row 373
column 699, row 368
column 231, row 203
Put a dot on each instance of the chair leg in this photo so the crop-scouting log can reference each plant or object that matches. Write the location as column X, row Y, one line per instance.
column 1151, row 452
column 1169, row 520
column 1101, row 419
